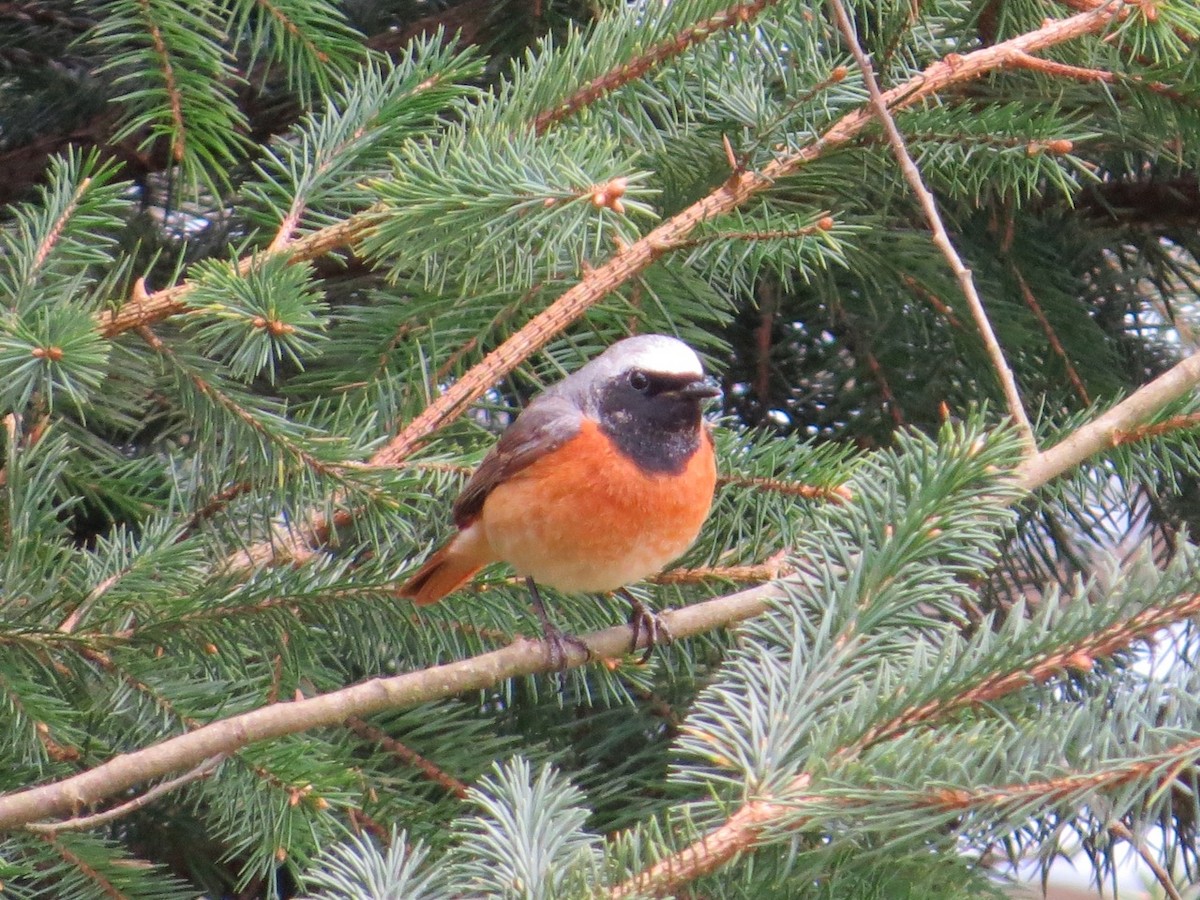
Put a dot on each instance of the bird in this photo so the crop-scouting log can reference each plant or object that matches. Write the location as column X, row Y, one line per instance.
column 602, row 480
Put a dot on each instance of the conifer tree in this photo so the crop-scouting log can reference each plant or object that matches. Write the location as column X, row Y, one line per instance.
column 274, row 274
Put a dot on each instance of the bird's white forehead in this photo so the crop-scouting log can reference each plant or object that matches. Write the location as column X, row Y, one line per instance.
column 657, row 353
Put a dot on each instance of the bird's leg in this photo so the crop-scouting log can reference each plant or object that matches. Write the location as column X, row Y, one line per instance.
column 641, row 616
column 556, row 640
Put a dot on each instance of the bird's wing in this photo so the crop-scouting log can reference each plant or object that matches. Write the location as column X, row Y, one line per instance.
column 544, row 426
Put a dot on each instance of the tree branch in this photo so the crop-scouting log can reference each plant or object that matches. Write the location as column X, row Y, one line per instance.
column 738, row 13
column 523, row 657
column 1106, row 430
column 1051, row 335
column 82, row 823
column 941, row 238
column 1118, row 829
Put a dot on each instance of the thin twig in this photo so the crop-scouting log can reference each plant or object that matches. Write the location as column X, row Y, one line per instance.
column 737, row 14
column 1185, row 422
column 774, row 567
column 1118, row 829
column 81, row 823
column 1051, row 335
column 834, row 493
column 407, row 755
column 940, row 238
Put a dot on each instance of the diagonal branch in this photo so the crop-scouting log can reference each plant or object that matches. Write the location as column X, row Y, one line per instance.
column 170, row 84
column 655, row 56
column 1109, row 429
column 1051, row 335
column 941, row 238
column 1119, row 830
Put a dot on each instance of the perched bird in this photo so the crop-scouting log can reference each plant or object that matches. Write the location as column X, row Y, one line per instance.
column 602, row 480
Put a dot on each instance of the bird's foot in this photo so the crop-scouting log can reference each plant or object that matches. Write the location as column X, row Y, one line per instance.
column 643, row 619
column 557, row 641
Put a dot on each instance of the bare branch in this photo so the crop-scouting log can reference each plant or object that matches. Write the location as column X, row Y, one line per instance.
column 1105, row 431
column 940, row 238
column 1119, row 830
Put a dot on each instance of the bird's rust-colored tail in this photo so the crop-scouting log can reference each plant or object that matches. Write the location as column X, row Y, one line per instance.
column 449, row 568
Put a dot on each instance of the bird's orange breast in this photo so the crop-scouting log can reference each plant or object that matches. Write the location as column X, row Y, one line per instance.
column 587, row 518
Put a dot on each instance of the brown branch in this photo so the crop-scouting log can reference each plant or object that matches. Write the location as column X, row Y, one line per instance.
column 768, row 302
column 223, row 400
column 107, row 888
column 941, row 238
column 1142, row 432
column 169, row 83
column 933, row 299
column 1118, row 829
column 1079, row 73
column 409, row 757
column 738, row 13
column 171, row 301
column 1081, row 657
column 890, row 403
column 1057, row 790
column 294, row 30
column 219, row 501
column 1051, row 335
column 837, row 493
column 52, row 236
column 771, row 569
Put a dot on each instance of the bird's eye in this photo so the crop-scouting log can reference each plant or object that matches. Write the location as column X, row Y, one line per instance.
column 638, row 380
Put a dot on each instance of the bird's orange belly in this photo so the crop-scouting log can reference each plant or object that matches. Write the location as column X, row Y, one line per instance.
column 585, row 518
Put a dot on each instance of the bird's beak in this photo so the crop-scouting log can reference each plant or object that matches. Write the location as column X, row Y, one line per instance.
column 700, row 389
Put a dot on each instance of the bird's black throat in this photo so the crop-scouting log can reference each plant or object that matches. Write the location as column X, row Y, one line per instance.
column 655, row 428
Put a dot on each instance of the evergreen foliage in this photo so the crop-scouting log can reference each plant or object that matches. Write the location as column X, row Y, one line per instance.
column 251, row 246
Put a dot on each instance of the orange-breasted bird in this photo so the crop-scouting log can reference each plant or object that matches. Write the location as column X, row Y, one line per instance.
column 602, row 480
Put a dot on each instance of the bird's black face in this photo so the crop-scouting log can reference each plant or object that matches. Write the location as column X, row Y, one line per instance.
column 654, row 417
